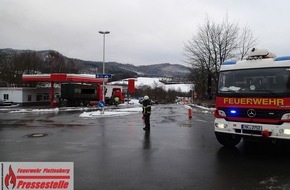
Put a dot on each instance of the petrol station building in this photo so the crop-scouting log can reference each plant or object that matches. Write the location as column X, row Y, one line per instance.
column 81, row 88
column 61, row 78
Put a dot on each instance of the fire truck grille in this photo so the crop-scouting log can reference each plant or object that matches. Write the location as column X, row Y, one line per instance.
column 254, row 113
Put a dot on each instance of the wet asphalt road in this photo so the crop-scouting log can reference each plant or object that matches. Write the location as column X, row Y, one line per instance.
column 115, row 153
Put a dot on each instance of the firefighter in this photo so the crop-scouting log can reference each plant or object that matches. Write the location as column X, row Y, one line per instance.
column 117, row 101
column 146, row 111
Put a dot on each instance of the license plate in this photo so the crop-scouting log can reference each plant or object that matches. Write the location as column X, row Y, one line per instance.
column 252, row 127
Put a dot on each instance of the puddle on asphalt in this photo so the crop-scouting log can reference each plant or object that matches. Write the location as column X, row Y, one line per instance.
column 185, row 124
column 36, row 135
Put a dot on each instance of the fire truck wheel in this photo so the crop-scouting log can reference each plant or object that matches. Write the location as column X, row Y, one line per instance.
column 228, row 140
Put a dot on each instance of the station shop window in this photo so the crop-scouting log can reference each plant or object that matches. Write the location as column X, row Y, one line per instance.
column 45, row 97
column 77, row 91
column 29, row 98
column 39, row 97
column 6, row 96
column 88, row 91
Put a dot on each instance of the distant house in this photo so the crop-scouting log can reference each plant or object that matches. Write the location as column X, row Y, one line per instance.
column 27, row 95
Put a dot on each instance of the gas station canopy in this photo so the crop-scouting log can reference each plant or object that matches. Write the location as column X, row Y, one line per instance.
column 63, row 77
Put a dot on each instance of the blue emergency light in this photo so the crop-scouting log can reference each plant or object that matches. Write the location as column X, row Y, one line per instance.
column 282, row 58
column 229, row 63
column 233, row 112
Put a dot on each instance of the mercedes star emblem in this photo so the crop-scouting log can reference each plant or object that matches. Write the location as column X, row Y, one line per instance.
column 251, row 113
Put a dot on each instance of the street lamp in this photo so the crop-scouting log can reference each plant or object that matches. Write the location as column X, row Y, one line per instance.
column 103, row 89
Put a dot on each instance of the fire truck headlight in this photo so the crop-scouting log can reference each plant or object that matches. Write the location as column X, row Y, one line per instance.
column 222, row 113
column 286, row 116
column 286, row 131
column 221, row 125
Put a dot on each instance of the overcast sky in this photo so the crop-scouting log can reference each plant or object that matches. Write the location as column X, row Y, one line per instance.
column 142, row 31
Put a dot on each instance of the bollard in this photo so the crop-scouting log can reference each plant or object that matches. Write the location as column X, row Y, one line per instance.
column 189, row 113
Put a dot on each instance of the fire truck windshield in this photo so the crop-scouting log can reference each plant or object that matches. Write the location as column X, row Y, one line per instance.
column 255, row 81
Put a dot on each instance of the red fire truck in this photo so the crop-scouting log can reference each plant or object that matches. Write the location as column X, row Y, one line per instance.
column 253, row 99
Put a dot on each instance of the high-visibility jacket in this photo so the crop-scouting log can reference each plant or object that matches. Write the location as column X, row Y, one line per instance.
column 146, row 108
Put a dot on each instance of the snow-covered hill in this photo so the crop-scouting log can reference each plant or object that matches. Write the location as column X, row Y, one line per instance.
column 155, row 82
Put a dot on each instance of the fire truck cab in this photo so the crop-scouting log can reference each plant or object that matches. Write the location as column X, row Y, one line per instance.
column 253, row 99
column 112, row 91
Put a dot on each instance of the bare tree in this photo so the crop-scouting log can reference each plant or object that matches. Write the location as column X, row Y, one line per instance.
column 5, row 64
column 54, row 62
column 246, row 41
column 212, row 45
column 28, row 62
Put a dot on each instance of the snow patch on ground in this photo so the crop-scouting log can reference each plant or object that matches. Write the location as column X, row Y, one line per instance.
column 111, row 113
column 127, row 108
column 203, row 108
column 35, row 110
column 105, row 114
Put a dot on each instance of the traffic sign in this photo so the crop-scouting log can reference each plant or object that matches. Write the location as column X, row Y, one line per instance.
column 101, row 104
column 106, row 76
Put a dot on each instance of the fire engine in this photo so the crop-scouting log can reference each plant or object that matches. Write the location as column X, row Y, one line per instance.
column 253, row 99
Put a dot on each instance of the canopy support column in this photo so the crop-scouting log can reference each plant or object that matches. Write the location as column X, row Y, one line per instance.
column 52, row 94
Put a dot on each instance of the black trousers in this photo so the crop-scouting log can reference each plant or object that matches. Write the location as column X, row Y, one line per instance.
column 147, row 121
